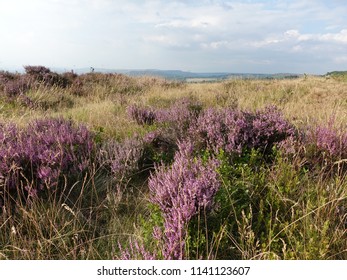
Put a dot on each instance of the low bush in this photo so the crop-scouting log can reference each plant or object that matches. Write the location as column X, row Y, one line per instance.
column 36, row 158
column 16, row 87
column 181, row 192
column 141, row 115
column 42, row 75
column 122, row 159
column 235, row 131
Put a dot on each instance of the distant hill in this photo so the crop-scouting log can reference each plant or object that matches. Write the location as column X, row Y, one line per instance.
column 184, row 75
column 338, row 75
column 334, row 73
column 190, row 76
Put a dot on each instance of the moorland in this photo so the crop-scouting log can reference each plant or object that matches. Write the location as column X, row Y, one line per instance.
column 107, row 166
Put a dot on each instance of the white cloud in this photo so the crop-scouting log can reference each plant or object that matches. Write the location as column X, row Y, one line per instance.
column 340, row 37
column 214, row 33
column 293, row 38
column 169, row 41
column 200, row 22
column 340, row 59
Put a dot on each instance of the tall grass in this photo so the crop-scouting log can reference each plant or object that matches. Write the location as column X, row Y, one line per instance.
column 178, row 170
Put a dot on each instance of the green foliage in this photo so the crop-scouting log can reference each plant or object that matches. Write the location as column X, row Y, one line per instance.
column 265, row 210
column 338, row 75
column 215, row 234
column 271, row 204
column 152, row 220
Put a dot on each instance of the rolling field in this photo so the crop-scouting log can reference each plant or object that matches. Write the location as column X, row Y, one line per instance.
column 104, row 166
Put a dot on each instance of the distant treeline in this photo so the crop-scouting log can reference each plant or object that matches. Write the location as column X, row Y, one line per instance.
column 339, row 75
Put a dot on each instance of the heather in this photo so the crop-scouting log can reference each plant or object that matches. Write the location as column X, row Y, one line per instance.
column 234, row 131
column 106, row 166
column 36, row 158
column 181, row 192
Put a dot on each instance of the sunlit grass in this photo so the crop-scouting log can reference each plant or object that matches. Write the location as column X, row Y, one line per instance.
column 292, row 213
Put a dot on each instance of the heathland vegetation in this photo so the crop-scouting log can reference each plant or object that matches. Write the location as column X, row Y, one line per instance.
column 106, row 166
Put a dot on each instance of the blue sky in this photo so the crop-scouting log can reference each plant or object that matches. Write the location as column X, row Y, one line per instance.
column 254, row 36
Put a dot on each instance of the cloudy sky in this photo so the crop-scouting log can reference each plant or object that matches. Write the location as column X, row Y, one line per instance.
column 253, row 36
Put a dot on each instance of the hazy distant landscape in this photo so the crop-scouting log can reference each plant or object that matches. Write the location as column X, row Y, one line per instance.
column 115, row 166
column 191, row 76
column 173, row 130
column 177, row 75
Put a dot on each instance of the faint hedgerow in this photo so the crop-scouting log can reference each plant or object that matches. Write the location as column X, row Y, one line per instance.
column 36, row 157
column 181, row 191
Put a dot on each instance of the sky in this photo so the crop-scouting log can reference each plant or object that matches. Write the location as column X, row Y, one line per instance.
column 252, row 36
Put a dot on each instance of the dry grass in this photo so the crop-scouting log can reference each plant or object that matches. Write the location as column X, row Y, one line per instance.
column 73, row 228
column 303, row 101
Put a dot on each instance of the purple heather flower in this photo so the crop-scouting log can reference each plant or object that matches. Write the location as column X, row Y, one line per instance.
column 122, row 158
column 136, row 251
column 233, row 131
column 43, row 151
column 141, row 115
column 180, row 192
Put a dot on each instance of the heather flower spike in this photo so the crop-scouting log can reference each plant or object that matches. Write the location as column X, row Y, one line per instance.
column 180, row 192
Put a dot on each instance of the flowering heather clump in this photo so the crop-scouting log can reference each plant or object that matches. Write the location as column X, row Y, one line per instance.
column 181, row 192
column 317, row 146
column 70, row 76
column 227, row 130
column 6, row 76
column 141, row 115
column 270, row 127
column 37, row 70
column 331, row 142
column 233, row 131
column 181, row 114
column 77, row 87
column 35, row 157
column 123, row 159
column 41, row 74
column 292, row 145
column 26, row 101
column 16, row 86
column 325, row 145
column 54, row 79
